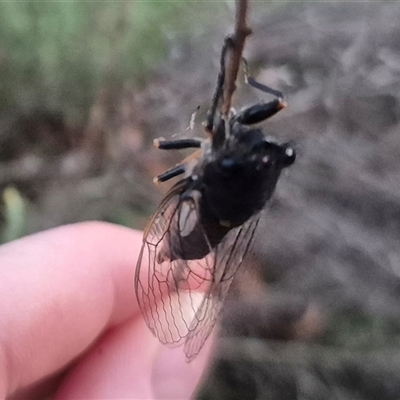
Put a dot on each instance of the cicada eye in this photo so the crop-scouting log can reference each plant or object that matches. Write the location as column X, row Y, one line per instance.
column 290, row 156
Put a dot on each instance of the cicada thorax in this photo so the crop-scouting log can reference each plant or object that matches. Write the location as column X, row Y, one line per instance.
column 240, row 177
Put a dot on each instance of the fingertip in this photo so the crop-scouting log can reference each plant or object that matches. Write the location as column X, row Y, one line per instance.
column 173, row 377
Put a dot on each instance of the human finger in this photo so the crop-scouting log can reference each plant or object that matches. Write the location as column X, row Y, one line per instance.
column 131, row 364
column 59, row 291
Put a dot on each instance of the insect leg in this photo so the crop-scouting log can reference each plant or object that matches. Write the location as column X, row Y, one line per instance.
column 169, row 174
column 259, row 112
column 192, row 119
column 262, row 111
column 257, row 85
column 177, row 144
column 180, row 168
column 210, row 121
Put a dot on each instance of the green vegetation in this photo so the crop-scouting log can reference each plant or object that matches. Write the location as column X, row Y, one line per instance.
column 56, row 55
column 14, row 215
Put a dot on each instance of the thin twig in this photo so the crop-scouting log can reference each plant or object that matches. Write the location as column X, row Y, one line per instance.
column 238, row 40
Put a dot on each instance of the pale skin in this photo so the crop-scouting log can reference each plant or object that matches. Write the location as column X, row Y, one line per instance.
column 70, row 325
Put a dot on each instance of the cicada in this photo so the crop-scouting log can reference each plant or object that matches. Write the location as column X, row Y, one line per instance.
column 201, row 232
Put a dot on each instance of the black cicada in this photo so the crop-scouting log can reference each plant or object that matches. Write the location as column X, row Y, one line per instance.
column 202, row 230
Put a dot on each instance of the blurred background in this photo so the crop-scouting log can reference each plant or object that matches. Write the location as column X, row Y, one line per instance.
column 86, row 87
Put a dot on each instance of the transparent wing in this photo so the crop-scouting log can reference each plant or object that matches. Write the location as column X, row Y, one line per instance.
column 180, row 294
column 227, row 258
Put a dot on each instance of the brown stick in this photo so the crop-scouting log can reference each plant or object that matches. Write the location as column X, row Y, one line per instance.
column 238, row 39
